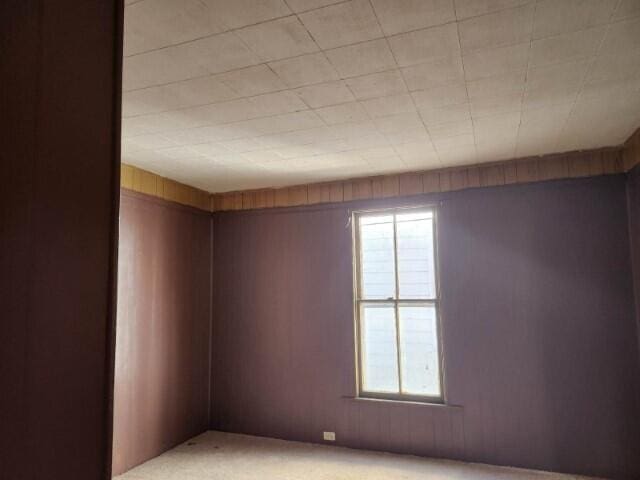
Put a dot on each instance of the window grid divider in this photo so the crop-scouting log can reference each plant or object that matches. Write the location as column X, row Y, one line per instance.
column 397, row 301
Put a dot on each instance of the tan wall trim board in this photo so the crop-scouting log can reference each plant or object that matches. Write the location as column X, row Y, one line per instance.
column 589, row 163
column 142, row 181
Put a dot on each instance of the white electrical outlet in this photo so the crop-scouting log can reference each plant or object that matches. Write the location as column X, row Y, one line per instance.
column 329, row 436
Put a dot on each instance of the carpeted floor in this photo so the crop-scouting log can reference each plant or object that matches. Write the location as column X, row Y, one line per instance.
column 217, row 455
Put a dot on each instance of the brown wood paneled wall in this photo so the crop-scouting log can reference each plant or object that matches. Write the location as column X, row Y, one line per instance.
column 162, row 346
column 549, row 167
column 60, row 82
column 539, row 336
column 142, row 181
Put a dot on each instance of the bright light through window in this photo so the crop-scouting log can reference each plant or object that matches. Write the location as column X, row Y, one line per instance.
column 397, row 305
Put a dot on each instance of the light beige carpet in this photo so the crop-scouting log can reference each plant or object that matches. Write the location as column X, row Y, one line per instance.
column 218, row 456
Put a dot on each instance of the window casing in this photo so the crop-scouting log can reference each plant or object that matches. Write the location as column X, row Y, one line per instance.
column 396, row 305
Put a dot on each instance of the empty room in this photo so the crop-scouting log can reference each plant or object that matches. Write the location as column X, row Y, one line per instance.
column 320, row 239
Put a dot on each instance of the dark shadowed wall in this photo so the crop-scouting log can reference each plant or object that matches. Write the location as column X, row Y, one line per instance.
column 633, row 197
column 162, row 343
column 540, row 343
column 59, row 159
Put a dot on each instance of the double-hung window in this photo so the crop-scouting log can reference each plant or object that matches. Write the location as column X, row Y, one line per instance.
column 398, row 339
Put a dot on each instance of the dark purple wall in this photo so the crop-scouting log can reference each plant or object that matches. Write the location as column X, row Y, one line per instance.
column 163, row 328
column 59, row 170
column 633, row 198
column 540, row 342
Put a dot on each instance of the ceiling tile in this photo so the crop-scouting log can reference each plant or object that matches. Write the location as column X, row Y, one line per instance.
column 495, row 61
column 417, row 134
column 198, row 58
column 225, row 112
column 154, row 24
column 393, row 124
column 276, row 103
column 622, row 37
column 453, row 94
column 611, row 90
column 446, row 144
column 362, row 58
column 627, row 9
column 450, row 129
column 157, row 68
column 463, row 155
column 493, row 152
column 389, row 164
column 383, row 106
column 377, row 85
column 490, row 129
column 252, row 80
column 342, row 24
column 203, row 134
column 261, row 156
column 397, row 16
column 346, row 112
column 187, row 93
column 289, row 122
column 475, row 8
column 191, row 151
column 554, row 17
column 554, row 84
column 567, row 47
column 305, row 70
column 303, row 5
column 434, row 73
column 239, row 13
column 324, row 94
column 485, row 106
column 506, row 27
column 278, row 39
column 445, row 114
column 415, row 149
column 424, row 45
column 552, row 115
column 152, row 141
column 506, row 84
column 220, row 53
column 615, row 67
column 241, row 145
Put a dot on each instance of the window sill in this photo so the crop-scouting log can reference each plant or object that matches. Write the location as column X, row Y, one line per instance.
column 404, row 402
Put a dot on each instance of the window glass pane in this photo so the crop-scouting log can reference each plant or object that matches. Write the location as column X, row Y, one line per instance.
column 416, row 277
column 377, row 262
column 379, row 355
column 419, row 350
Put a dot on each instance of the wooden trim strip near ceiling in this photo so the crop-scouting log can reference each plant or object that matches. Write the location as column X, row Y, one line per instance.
column 590, row 163
column 138, row 180
column 604, row 161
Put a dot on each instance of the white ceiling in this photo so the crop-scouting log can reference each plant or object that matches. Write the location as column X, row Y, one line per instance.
column 238, row 94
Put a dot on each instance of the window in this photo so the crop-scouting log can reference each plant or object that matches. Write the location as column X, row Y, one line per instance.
column 397, row 305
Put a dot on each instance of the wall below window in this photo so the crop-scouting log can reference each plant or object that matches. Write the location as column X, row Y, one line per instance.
column 540, row 345
column 162, row 341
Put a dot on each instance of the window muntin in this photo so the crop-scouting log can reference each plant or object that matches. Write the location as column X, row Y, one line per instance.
column 397, row 305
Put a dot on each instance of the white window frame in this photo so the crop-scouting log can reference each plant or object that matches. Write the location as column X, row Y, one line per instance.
column 359, row 302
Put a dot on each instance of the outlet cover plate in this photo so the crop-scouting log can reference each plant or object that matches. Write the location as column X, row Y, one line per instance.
column 329, row 436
